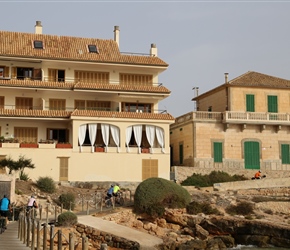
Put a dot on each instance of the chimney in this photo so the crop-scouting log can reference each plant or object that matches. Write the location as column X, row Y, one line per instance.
column 226, row 77
column 38, row 27
column 153, row 50
column 117, row 35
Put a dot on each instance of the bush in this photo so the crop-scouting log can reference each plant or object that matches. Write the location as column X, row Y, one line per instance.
column 23, row 176
column 199, row 180
column 46, row 184
column 67, row 219
column 243, row 208
column 68, row 201
column 153, row 195
column 195, row 207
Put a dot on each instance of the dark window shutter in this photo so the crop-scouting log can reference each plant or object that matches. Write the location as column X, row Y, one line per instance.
column 285, row 153
column 272, row 104
column 218, row 152
column 250, row 102
column 37, row 74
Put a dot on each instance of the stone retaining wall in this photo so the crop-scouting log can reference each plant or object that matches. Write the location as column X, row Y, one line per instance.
column 181, row 172
column 97, row 237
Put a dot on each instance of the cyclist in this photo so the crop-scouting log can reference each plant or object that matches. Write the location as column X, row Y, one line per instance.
column 110, row 192
column 5, row 208
column 116, row 190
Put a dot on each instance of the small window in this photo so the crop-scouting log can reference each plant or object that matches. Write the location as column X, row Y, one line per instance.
column 38, row 44
column 93, row 49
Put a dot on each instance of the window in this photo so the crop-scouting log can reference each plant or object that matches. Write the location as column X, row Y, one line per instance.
column 24, row 73
column 23, row 103
column 80, row 104
column 285, row 153
column 272, row 104
column 93, row 49
column 38, row 44
column 92, row 76
column 4, row 72
column 217, row 152
column 1, row 72
column 92, row 105
column 180, row 153
column 59, row 135
column 250, row 103
column 56, row 104
column 26, row 134
column 149, row 168
column 133, row 79
column 137, row 107
column 56, row 75
column 1, row 102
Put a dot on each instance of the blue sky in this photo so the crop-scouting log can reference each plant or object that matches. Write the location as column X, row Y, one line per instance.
column 200, row 40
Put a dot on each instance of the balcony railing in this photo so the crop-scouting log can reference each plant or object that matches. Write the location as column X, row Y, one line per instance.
column 237, row 117
column 255, row 117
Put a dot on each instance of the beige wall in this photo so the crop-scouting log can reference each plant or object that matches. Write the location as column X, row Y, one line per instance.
column 238, row 99
column 87, row 166
column 233, row 137
column 182, row 134
column 217, row 100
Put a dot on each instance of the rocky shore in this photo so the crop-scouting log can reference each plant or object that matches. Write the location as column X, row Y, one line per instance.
column 268, row 226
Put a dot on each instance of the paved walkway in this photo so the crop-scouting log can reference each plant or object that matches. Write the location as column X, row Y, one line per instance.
column 145, row 240
column 9, row 239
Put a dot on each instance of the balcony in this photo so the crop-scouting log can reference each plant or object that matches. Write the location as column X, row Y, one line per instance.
column 233, row 117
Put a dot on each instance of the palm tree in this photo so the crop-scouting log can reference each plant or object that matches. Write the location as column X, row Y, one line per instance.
column 20, row 164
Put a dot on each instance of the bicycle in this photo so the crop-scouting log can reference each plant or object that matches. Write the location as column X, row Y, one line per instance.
column 119, row 199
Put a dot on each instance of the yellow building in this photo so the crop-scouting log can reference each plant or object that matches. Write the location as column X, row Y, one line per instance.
column 81, row 109
column 239, row 127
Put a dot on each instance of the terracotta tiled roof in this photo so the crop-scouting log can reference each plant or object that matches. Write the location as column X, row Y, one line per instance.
column 35, row 84
column 256, row 79
column 118, row 87
column 250, row 79
column 18, row 44
column 34, row 113
column 130, row 115
column 88, row 113
column 83, row 85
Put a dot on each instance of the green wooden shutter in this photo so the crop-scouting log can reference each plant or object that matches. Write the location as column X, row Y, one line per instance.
column 272, row 104
column 285, row 155
column 252, row 155
column 180, row 153
column 217, row 152
column 250, row 102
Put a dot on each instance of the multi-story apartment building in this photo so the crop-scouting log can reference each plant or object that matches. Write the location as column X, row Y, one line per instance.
column 81, row 109
column 239, row 126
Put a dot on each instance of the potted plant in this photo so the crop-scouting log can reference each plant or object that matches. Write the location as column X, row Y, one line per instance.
column 63, row 145
column 28, row 145
column 99, row 148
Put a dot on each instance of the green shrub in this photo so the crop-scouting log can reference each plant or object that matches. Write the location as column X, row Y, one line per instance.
column 23, row 176
column 46, row 184
column 67, row 219
column 67, row 200
column 243, row 208
column 195, row 207
column 153, row 195
column 199, row 180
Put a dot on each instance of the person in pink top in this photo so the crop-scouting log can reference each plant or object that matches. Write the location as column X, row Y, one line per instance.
column 31, row 203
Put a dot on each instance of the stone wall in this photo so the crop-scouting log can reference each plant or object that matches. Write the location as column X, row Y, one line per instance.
column 181, row 173
column 97, row 237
